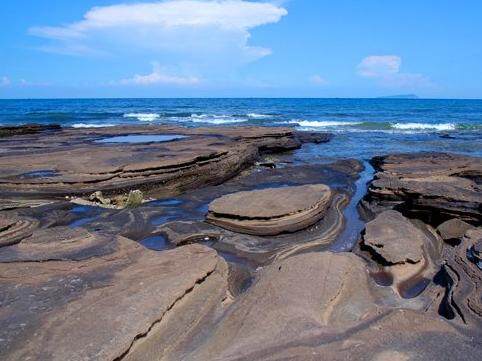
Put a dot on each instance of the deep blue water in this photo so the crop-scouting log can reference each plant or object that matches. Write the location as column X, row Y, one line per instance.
column 364, row 127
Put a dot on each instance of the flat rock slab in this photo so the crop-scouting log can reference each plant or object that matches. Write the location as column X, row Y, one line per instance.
column 271, row 211
column 104, row 305
column 435, row 187
column 395, row 238
column 76, row 162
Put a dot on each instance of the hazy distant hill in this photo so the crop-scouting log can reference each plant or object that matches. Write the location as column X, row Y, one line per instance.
column 402, row 96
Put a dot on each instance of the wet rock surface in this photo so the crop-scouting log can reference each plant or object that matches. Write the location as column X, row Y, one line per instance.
column 270, row 211
column 6, row 131
column 159, row 282
column 434, row 187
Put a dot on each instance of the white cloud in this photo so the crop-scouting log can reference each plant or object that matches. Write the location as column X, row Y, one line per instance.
column 379, row 65
column 195, row 27
column 318, row 80
column 387, row 70
column 159, row 77
column 4, row 81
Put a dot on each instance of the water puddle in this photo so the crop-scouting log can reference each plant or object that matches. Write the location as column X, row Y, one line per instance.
column 44, row 173
column 354, row 225
column 141, row 138
column 169, row 202
column 156, row 243
column 86, row 214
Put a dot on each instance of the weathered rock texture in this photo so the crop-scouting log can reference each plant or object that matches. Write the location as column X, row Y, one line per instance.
column 453, row 229
column 71, row 162
column 271, row 211
column 14, row 228
column 434, row 187
column 461, row 282
column 84, row 296
column 404, row 252
column 323, row 306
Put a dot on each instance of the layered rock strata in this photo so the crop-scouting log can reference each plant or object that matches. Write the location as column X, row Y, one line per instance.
column 78, row 295
column 271, row 211
column 434, row 187
column 74, row 162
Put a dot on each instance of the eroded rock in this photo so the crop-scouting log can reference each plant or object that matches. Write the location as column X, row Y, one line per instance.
column 292, row 300
column 74, row 162
column 110, row 303
column 453, row 230
column 394, row 238
column 14, row 228
column 271, row 211
column 404, row 252
column 433, row 187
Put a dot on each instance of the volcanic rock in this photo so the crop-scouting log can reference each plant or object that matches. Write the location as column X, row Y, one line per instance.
column 271, row 211
column 434, row 187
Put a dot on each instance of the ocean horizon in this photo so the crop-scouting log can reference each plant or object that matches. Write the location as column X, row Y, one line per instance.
column 393, row 124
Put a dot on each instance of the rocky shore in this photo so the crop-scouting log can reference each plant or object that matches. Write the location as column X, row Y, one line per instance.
column 226, row 252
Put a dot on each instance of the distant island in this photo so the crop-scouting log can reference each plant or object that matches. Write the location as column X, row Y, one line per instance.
column 402, row 96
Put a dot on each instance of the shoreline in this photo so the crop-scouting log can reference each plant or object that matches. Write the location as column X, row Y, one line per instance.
column 240, row 244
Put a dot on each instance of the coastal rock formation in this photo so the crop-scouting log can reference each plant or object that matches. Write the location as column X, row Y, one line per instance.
column 6, row 131
column 80, row 162
column 77, row 295
column 59, row 243
column 402, row 251
column 459, row 293
column 434, row 187
column 271, row 211
column 324, row 306
column 392, row 237
column 453, row 230
column 295, row 299
column 14, row 228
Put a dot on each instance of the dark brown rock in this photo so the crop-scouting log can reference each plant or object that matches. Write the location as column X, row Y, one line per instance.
column 6, row 131
column 271, row 211
column 433, row 187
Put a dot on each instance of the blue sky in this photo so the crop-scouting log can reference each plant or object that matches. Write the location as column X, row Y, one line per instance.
column 234, row 48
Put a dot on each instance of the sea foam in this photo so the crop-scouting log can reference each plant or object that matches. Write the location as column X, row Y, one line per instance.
column 215, row 119
column 322, row 124
column 424, row 126
column 143, row 117
column 91, row 125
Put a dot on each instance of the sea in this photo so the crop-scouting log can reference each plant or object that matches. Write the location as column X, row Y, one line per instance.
column 363, row 128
